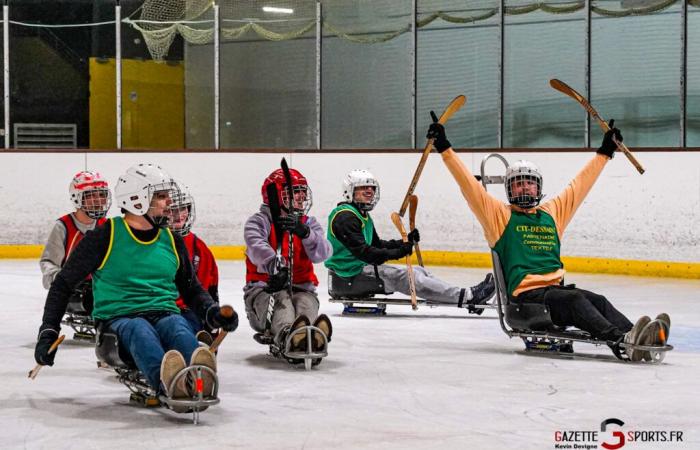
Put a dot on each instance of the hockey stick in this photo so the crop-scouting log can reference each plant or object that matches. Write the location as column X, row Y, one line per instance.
column 571, row 92
column 35, row 371
column 225, row 311
column 452, row 108
column 274, row 205
column 412, row 206
column 411, row 278
column 290, row 236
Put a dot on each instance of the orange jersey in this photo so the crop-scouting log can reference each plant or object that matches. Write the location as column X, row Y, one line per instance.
column 493, row 214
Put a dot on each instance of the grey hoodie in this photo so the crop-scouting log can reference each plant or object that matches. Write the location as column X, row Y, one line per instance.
column 256, row 234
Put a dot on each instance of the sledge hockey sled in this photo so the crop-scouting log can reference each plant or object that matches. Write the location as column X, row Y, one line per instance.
column 108, row 352
column 363, row 294
column 309, row 356
column 532, row 322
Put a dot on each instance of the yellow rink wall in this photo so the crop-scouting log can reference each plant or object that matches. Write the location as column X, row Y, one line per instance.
column 461, row 259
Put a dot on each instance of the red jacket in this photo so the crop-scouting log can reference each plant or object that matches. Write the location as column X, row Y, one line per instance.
column 73, row 235
column 302, row 265
column 204, row 266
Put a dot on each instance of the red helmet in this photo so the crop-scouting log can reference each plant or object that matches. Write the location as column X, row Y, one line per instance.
column 300, row 187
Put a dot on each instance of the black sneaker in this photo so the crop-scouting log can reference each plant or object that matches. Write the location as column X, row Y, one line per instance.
column 481, row 293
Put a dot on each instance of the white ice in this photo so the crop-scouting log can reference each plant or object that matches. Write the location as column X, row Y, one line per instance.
column 434, row 378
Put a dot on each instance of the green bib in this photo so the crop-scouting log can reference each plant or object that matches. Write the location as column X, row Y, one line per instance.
column 529, row 245
column 135, row 276
column 343, row 262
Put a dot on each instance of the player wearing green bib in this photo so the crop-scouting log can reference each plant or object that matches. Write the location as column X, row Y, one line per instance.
column 526, row 235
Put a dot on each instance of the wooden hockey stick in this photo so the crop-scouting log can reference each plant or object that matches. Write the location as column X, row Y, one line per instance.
column 571, row 92
column 452, row 108
column 35, row 371
column 225, row 311
column 411, row 278
column 412, row 206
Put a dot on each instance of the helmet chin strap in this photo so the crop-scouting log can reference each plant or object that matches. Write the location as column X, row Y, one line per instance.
column 156, row 222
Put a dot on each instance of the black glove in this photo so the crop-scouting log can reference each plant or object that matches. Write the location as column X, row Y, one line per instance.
column 278, row 281
column 216, row 320
column 293, row 224
column 437, row 133
column 46, row 338
column 406, row 249
column 608, row 146
column 414, row 236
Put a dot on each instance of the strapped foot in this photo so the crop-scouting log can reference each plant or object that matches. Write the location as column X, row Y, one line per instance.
column 633, row 337
column 299, row 339
column 173, row 362
column 323, row 323
column 205, row 338
column 481, row 294
column 203, row 357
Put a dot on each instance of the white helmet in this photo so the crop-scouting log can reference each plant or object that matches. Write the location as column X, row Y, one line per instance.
column 136, row 187
column 360, row 178
column 181, row 202
column 519, row 171
column 89, row 191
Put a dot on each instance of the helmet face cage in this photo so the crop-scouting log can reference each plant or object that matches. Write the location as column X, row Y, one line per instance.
column 173, row 192
column 302, row 198
column 366, row 206
column 358, row 179
column 95, row 202
column 182, row 203
column 523, row 172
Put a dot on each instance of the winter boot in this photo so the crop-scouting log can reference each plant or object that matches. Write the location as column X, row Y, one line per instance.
column 323, row 323
column 203, row 357
column 203, row 337
column 632, row 337
column 481, row 293
column 298, row 341
column 172, row 363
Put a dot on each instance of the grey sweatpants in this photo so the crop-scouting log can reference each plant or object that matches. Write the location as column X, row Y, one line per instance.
column 427, row 286
column 285, row 311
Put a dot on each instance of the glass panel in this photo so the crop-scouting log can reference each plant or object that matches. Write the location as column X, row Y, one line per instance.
column 635, row 71
column 153, row 81
column 50, row 69
column 458, row 54
column 693, row 81
column 540, row 45
column 367, row 74
column 3, row 132
column 268, row 74
column 199, row 86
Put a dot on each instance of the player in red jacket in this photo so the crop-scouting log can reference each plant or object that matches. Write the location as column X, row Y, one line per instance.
column 203, row 262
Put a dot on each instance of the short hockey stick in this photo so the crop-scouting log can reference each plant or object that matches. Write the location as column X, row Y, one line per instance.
column 274, row 205
column 225, row 311
column 411, row 278
column 571, row 92
column 412, row 206
column 290, row 236
column 452, row 108
column 35, row 371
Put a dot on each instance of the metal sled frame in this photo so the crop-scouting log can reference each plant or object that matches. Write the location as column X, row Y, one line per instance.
column 550, row 339
column 367, row 303
column 82, row 324
column 107, row 351
column 310, row 357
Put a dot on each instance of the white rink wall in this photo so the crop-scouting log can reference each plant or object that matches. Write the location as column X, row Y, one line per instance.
column 655, row 216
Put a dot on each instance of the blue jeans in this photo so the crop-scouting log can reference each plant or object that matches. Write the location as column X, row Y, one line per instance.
column 148, row 337
column 192, row 319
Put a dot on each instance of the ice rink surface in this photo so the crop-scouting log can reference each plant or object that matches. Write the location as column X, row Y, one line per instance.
column 434, row 378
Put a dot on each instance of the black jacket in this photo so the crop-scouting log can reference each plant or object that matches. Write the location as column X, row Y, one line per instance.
column 88, row 256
